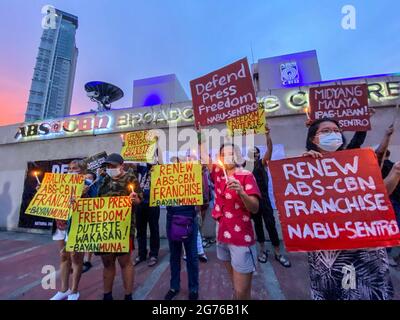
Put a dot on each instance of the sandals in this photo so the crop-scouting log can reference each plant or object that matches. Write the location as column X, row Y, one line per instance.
column 208, row 243
column 263, row 257
column 282, row 260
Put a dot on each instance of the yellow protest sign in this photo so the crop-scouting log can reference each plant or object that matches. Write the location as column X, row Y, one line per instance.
column 139, row 146
column 251, row 123
column 176, row 184
column 100, row 225
column 53, row 199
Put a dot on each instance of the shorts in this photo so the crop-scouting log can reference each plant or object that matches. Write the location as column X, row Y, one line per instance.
column 131, row 248
column 60, row 235
column 242, row 258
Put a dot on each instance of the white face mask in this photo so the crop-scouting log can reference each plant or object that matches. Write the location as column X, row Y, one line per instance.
column 89, row 181
column 73, row 172
column 330, row 142
column 113, row 172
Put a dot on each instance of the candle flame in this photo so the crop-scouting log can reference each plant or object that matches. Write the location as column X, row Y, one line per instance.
column 220, row 163
column 35, row 173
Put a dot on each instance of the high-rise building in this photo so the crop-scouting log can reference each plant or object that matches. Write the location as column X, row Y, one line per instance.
column 53, row 77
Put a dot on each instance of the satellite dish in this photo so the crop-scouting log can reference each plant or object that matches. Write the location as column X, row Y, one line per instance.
column 103, row 93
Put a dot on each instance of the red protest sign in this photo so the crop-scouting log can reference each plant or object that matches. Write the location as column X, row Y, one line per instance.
column 223, row 94
column 348, row 104
column 338, row 202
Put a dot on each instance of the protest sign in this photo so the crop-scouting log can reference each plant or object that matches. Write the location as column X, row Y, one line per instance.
column 139, row 146
column 338, row 202
column 100, row 225
column 223, row 94
column 53, row 199
column 38, row 169
column 176, row 184
column 348, row 104
column 251, row 123
column 94, row 162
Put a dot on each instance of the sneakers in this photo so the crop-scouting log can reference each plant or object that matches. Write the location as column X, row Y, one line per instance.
column 152, row 261
column 61, row 295
column 171, row 294
column 73, row 296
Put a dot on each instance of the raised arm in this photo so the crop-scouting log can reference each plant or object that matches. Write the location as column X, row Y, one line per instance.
column 383, row 146
column 204, row 155
column 268, row 153
column 393, row 178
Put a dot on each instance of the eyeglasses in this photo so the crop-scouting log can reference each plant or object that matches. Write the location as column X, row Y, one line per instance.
column 329, row 131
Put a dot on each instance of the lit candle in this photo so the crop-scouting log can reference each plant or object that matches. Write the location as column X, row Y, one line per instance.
column 131, row 187
column 223, row 168
column 35, row 173
column 306, row 110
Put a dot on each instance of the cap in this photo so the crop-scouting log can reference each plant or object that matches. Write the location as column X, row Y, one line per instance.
column 114, row 158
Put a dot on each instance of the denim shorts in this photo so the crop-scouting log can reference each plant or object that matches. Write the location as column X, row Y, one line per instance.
column 242, row 258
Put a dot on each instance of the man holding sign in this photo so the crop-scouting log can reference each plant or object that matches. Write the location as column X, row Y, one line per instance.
column 119, row 183
column 337, row 202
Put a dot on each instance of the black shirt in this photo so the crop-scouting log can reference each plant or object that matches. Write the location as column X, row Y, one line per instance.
column 261, row 176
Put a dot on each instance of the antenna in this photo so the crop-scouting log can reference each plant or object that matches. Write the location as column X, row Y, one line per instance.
column 103, row 93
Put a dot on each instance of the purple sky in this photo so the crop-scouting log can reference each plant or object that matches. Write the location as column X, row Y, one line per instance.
column 120, row 41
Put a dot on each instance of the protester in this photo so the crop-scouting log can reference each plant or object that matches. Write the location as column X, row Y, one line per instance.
column 199, row 209
column 70, row 259
column 236, row 199
column 147, row 215
column 182, row 230
column 265, row 212
column 371, row 267
column 118, row 182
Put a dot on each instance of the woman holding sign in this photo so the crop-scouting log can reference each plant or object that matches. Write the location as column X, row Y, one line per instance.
column 236, row 199
column 346, row 274
column 70, row 260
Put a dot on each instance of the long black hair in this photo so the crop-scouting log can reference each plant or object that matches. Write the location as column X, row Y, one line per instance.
column 312, row 131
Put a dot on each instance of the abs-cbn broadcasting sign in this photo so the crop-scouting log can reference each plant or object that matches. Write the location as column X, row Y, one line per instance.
column 65, row 126
column 116, row 120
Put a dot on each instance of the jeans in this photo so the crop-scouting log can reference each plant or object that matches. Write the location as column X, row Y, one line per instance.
column 192, row 261
column 148, row 215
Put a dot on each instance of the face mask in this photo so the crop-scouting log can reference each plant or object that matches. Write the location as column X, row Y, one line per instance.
column 72, row 172
column 89, row 181
column 113, row 172
column 330, row 142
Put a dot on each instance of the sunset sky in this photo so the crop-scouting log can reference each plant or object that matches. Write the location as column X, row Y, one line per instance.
column 120, row 41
